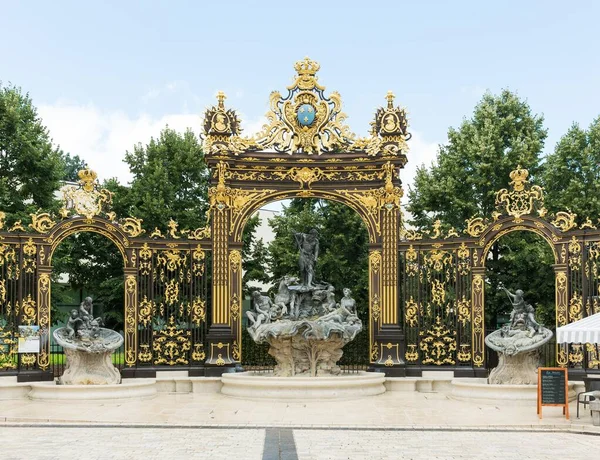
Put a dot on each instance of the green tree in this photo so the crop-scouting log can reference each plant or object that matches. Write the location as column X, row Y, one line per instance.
column 170, row 181
column 571, row 175
column 255, row 256
column 502, row 134
column 476, row 162
column 30, row 166
column 93, row 266
column 71, row 166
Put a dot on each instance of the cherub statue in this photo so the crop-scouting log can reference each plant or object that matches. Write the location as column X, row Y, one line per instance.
column 73, row 324
column 521, row 311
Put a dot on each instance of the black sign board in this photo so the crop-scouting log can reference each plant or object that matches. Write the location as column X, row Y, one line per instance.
column 553, row 388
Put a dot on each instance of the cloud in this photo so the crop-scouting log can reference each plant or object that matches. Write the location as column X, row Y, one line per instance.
column 102, row 137
column 420, row 152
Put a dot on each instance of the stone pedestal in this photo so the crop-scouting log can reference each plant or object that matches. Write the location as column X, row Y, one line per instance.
column 85, row 368
column 89, row 357
column 519, row 369
column 300, row 356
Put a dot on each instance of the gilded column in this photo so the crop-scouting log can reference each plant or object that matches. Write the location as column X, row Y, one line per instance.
column 561, row 286
column 478, row 319
column 43, row 311
column 388, row 333
column 131, row 314
column 221, row 336
column 235, row 302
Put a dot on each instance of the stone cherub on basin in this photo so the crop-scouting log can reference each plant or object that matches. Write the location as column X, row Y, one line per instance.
column 304, row 325
column 517, row 344
column 88, row 348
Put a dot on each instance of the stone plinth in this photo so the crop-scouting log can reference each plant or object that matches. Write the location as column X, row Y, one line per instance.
column 128, row 389
column 519, row 369
column 89, row 369
column 254, row 385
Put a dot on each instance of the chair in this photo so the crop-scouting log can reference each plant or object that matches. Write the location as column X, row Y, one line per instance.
column 592, row 392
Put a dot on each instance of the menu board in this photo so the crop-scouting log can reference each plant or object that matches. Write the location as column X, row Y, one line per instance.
column 553, row 388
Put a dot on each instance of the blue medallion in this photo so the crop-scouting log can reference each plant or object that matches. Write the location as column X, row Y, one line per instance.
column 306, row 115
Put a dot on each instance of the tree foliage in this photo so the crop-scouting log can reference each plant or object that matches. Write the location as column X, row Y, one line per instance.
column 30, row 166
column 571, row 175
column 476, row 161
column 170, row 181
column 71, row 166
column 255, row 256
column 93, row 266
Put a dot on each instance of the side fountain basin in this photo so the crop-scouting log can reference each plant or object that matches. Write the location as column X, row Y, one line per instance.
column 127, row 389
column 255, row 385
column 479, row 391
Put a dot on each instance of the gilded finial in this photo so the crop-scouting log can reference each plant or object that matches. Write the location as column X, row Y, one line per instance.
column 87, row 178
column 390, row 98
column 307, row 67
column 519, row 178
column 221, row 99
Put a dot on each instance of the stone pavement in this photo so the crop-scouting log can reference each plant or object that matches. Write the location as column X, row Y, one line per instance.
column 213, row 426
column 124, row 443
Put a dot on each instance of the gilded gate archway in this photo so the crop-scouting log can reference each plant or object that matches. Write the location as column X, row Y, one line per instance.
column 165, row 276
column 306, row 150
column 444, row 277
column 426, row 289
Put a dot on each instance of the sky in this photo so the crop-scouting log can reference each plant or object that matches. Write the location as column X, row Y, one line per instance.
column 107, row 75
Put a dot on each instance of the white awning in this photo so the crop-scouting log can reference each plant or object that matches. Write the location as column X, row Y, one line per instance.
column 586, row 330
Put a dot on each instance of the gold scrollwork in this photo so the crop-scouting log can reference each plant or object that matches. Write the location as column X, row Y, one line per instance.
column 523, row 198
column 438, row 292
column 411, row 312
column 574, row 254
column 565, row 221
column 464, row 354
column 198, row 261
column 147, row 309
column 171, row 344
column 132, row 227
column 87, row 199
column 375, row 261
column 411, row 354
column 198, row 311
column 130, row 320
column 235, row 260
column 172, row 292
column 475, row 226
column 41, row 223
column 575, row 308
column 374, row 352
column 464, row 264
column 375, row 307
column 145, row 354
column 438, row 344
column 305, row 120
column 198, row 353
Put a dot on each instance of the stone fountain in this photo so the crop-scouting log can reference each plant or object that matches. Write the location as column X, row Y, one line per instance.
column 88, row 349
column 304, row 325
column 517, row 344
